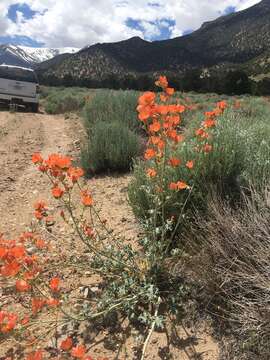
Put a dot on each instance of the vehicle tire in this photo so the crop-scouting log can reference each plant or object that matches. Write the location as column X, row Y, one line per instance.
column 34, row 108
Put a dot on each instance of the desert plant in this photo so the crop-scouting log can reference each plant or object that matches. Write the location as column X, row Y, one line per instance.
column 59, row 101
column 233, row 266
column 207, row 150
column 112, row 106
column 111, row 147
column 134, row 282
column 240, row 156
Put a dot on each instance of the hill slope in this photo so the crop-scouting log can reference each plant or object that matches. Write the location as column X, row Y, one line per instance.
column 232, row 40
column 28, row 56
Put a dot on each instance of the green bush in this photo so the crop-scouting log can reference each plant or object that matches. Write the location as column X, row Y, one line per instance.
column 60, row 104
column 240, row 156
column 62, row 100
column 111, row 146
column 112, row 106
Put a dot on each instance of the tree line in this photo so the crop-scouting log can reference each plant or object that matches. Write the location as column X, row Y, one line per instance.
column 231, row 83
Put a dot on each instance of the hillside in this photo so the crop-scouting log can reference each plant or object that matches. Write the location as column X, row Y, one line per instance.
column 28, row 56
column 236, row 40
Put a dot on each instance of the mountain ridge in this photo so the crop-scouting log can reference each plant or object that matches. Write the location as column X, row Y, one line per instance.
column 29, row 56
column 228, row 41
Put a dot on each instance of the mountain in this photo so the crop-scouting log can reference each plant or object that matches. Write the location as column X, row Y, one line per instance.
column 28, row 56
column 237, row 40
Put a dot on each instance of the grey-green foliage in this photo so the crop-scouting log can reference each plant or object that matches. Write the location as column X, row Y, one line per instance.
column 112, row 106
column 112, row 128
column 111, row 146
column 240, row 157
column 61, row 100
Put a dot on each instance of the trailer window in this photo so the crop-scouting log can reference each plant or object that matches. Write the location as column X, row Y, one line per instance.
column 10, row 73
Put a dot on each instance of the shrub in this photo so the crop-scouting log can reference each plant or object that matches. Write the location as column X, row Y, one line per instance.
column 112, row 106
column 60, row 104
column 233, row 267
column 61, row 100
column 240, row 156
column 138, row 283
column 111, row 146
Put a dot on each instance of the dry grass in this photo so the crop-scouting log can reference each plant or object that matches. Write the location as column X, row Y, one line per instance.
column 235, row 268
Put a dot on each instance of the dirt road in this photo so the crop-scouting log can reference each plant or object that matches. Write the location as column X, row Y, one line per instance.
column 22, row 134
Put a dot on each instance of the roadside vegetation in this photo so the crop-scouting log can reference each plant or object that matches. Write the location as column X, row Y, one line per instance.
column 200, row 189
column 64, row 100
column 113, row 132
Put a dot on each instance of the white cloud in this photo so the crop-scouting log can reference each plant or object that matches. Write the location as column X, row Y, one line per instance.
column 82, row 22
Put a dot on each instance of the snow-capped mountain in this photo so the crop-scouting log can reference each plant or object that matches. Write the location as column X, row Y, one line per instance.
column 28, row 56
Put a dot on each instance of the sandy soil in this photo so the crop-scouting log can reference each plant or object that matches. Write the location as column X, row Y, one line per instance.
column 21, row 185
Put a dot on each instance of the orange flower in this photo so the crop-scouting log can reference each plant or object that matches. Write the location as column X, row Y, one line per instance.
column 52, row 302
column 40, row 244
column 222, row 105
column 210, row 114
column 151, row 172
column 3, row 252
column 176, row 108
column 217, row 111
column 172, row 134
column 78, row 351
column 37, row 304
column 10, row 269
column 9, row 321
column 190, row 164
column 202, row 133
column 145, row 112
column 22, row 286
column 169, row 91
column 161, row 109
column 66, row 344
column 154, row 140
column 17, row 252
column 40, row 205
column 174, row 162
column 208, row 123
column 179, row 185
column 3, row 315
column 75, row 173
column 149, row 154
column 57, row 192
column 56, row 164
column 54, row 284
column 38, row 215
column 147, row 98
column 155, row 127
column 87, row 199
column 174, row 120
column 37, row 158
column 37, row 355
column 161, row 144
column 162, row 82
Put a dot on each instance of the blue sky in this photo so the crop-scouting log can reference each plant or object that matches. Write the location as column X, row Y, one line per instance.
column 59, row 23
